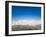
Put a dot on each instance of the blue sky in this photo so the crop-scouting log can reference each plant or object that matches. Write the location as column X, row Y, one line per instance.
column 26, row 13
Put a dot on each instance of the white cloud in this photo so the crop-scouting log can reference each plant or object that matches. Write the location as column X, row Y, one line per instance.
column 26, row 22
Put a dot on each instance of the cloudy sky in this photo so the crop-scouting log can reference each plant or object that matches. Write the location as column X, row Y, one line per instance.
column 24, row 13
